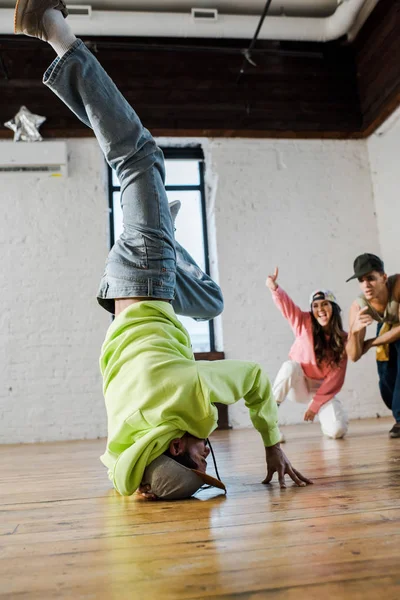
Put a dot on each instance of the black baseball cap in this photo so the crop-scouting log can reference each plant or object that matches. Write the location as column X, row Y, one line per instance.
column 365, row 263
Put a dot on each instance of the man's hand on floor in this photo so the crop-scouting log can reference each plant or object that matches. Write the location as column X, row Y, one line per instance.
column 277, row 462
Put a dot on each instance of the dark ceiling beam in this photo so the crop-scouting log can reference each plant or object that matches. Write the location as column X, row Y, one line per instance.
column 296, row 90
column 189, row 87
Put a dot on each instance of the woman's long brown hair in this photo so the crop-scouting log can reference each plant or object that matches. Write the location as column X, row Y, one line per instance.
column 332, row 349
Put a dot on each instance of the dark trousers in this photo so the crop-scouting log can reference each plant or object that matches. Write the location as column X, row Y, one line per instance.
column 389, row 378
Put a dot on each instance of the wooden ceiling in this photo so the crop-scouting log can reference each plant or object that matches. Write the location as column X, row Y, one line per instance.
column 191, row 87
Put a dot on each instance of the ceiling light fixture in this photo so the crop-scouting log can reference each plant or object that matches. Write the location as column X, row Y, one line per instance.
column 205, row 14
column 79, row 10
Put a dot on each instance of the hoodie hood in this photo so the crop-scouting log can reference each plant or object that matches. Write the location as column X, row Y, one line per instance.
column 152, row 391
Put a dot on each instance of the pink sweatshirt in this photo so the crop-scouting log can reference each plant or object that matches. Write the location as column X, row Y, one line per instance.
column 303, row 352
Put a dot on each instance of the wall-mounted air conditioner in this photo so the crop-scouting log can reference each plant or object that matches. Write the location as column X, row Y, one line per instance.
column 48, row 158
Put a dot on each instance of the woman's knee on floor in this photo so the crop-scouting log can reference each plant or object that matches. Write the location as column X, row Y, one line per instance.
column 335, row 430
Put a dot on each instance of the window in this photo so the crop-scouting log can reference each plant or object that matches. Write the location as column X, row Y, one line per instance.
column 184, row 182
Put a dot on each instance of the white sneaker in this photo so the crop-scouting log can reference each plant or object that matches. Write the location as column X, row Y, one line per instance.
column 28, row 16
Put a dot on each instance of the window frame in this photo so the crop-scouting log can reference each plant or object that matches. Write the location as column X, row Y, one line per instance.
column 178, row 153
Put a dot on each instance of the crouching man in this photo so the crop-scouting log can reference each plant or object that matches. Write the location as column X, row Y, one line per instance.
column 380, row 302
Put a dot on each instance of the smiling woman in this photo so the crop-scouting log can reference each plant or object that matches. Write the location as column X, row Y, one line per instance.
column 316, row 370
column 328, row 334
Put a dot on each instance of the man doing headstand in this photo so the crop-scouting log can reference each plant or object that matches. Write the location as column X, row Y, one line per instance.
column 160, row 402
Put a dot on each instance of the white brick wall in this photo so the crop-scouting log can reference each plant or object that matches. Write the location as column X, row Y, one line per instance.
column 384, row 152
column 53, row 240
column 306, row 206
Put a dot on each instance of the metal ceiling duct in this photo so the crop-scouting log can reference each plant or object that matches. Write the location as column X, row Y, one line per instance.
column 183, row 25
column 291, row 8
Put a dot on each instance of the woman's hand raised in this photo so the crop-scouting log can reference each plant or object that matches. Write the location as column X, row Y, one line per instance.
column 271, row 281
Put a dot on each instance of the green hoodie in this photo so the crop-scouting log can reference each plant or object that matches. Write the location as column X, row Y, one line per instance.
column 155, row 391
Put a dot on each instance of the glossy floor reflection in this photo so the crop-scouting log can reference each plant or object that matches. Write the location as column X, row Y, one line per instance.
column 65, row 534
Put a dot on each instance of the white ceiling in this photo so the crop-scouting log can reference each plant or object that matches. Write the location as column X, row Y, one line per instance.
column 309, row 8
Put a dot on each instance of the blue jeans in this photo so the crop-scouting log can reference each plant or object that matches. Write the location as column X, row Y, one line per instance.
column 389, row 378
column 146, row 261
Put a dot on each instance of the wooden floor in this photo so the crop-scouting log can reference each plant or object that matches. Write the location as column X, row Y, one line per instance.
column 65, row 534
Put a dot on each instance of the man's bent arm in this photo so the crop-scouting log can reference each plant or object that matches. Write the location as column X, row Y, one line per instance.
column 387, row 338
column 394, row 334
column 355, row 340
column 227, row 381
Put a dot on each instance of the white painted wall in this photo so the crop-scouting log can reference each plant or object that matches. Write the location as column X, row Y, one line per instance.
column 306, row 206
column 53, row 240
column 384, row 152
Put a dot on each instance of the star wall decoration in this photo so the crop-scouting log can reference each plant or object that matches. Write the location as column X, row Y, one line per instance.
column 25, row 126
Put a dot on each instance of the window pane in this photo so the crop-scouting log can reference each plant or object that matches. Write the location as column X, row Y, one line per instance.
column 182, row 172
column 189, row 224
column 117, row 212
column 189, row 233
column 115, row 180
column 199, row 332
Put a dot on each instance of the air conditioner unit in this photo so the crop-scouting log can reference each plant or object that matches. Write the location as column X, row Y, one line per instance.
column 49, row 158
